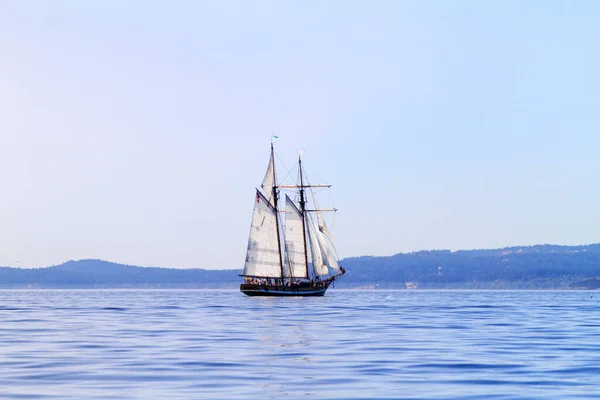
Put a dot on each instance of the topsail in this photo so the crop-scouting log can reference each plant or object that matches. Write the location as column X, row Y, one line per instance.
column 269, row 180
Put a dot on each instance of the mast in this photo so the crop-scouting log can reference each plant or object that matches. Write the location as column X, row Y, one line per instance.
column 277, row 213
column 302, row 211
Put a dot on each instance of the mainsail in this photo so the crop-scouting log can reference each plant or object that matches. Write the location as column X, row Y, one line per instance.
column 294, row 241
column 263, row 257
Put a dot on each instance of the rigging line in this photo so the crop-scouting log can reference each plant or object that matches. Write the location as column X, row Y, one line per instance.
column 314, row 219
column 333, row 205
column 319, row 189
column 316, row 174
column 284, row 167
column 312, row 192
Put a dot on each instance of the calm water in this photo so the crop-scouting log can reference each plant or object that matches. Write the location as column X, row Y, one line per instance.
column 346, row 345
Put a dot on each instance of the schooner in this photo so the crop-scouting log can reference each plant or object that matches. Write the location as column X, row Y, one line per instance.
column 290, row 251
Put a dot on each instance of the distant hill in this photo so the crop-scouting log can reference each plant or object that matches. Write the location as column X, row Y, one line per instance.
column 529, row 267
column 104, row 274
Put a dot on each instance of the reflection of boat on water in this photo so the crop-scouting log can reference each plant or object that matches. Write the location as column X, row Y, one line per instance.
column 277, row 260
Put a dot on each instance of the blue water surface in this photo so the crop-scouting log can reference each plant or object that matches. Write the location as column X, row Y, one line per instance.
column 201, row 344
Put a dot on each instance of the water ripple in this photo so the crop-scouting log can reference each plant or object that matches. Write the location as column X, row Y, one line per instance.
column 143, row 344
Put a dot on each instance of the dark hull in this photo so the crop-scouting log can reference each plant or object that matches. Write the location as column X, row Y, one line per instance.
column 305, row 290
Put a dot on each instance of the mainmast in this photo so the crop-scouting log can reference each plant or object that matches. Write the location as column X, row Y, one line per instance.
column 276, row 212
column 302, row 212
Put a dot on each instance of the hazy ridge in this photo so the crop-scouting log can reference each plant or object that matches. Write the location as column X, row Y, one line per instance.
column 524, row 267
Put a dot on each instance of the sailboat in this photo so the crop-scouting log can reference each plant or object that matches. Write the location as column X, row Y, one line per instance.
column 290, row 251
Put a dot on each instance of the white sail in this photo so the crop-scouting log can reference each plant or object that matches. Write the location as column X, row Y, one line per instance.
column 294, row 241
column 263, row 257
column 315, row 249
column 323, row 226
column 269, row 180
column 325, row 241
column 321, row 221
column 327, row 251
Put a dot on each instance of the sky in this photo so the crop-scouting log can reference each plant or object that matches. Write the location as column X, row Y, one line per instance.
column 136, row 131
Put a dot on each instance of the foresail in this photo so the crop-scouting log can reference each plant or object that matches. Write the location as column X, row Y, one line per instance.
column 315, row 249
column 322, row 226
column 327, row 252
column 262, row 257
column 325, row 242
column 321, row 221
column 269, row 180
column 294, row 242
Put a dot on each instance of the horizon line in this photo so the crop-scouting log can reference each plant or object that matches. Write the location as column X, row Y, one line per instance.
column 341, row 259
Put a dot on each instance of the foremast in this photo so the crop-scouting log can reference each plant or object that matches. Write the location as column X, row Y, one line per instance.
column 277, row 223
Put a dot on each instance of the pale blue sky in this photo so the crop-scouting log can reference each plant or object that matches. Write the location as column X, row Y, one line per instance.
column 136, row 131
